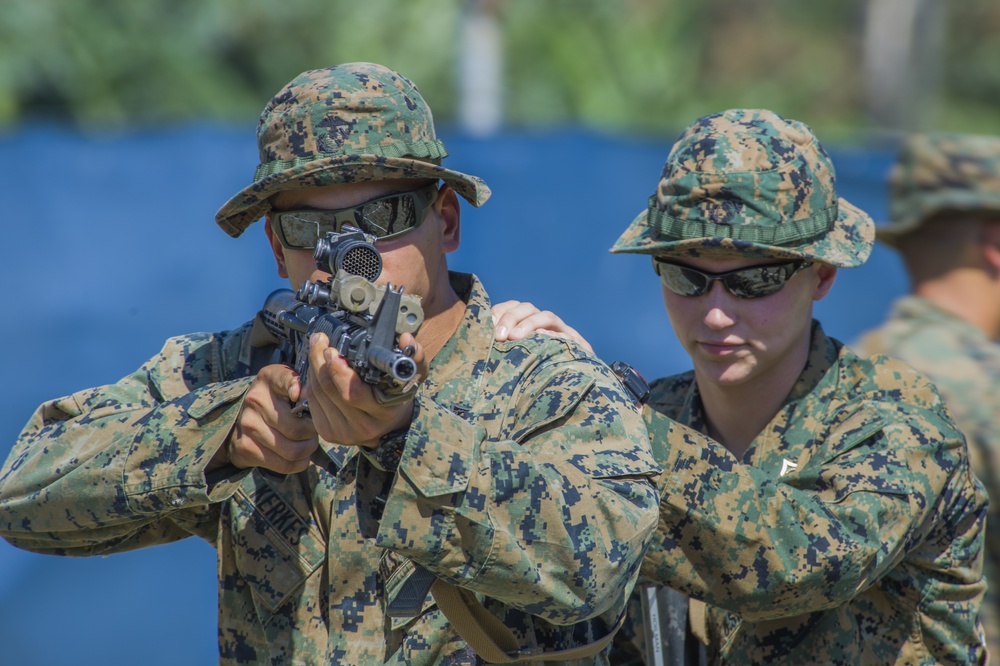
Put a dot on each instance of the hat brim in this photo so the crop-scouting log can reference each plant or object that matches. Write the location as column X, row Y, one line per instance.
column 932, row 204
column 890, row 234
column 847, row 245
column 252, row 203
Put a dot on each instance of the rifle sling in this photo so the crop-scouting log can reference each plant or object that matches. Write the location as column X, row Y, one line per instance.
column 698, row 620
column 492, row 639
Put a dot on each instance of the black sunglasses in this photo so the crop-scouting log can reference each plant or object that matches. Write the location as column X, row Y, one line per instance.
column 384, row 217
column 749, row 282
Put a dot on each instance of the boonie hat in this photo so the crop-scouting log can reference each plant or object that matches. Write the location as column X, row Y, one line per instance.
column 749, row 183
column 939, row 172
column 343, row 124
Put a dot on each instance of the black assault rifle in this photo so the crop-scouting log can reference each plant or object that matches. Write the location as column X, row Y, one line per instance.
column 362, row 320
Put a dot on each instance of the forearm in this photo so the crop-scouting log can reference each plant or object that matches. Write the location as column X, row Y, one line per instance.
column 528, row 523
column 793, row 556
column 764, row 548
column 113, row 468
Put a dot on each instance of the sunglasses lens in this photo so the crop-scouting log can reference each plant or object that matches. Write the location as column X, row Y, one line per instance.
column 749, row 284
column 759, row 280
column 682, row 280
column 382, row 218
column 386, row 217
column 752, row 282
column 298, row 229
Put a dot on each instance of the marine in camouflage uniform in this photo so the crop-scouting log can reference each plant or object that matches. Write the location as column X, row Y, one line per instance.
column 848, row 529
column 525, row 474
column 942, row 190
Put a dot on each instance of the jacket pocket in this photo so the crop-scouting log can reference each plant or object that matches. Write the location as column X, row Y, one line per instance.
column 275, row 549
column 856, row 456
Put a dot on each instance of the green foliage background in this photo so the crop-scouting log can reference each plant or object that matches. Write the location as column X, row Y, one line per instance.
column 621, row 65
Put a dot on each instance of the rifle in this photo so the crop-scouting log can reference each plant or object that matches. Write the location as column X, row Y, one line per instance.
column 362, row 320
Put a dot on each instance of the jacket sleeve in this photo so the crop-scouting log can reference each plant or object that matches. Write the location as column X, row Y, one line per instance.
column 763, row 547
column 122, row 466
column 550, row 514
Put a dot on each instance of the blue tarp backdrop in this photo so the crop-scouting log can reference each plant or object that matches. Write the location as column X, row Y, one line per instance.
column 110, row 247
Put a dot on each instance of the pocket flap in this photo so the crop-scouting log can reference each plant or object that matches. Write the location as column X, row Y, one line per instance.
column 275, row 549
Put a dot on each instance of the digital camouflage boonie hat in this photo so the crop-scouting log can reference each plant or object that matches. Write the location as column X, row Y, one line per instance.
column 748, row 183
column 343, row 124
column 941, row 172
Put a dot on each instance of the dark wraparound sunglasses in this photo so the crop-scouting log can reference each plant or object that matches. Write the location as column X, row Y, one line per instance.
column 750, row 282
column 384, row 217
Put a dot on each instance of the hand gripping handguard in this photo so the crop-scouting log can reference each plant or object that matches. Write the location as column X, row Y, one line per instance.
column 363, row 320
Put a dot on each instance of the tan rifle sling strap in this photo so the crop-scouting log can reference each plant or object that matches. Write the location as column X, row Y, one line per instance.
column 698, row 620
column 492, row 639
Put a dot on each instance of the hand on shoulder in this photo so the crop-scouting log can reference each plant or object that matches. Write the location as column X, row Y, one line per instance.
column 515, row 320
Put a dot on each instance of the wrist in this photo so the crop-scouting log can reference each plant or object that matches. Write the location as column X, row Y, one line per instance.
column 390, row 449
column 220, row 459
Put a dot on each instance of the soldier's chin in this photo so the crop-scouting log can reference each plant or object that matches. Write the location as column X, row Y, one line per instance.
column 731, row 369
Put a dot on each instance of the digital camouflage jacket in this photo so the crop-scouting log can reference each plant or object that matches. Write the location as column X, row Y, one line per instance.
column 851, row 532
column 526, row 477
column 965, row 366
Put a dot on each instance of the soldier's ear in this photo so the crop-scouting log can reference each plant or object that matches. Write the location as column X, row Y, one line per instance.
column 826, row 275
column 446, row 206
column 991, row 244
column 276, row 248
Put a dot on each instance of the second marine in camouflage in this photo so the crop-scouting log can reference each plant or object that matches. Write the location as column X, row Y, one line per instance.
column 838, row 521
column 820, row 507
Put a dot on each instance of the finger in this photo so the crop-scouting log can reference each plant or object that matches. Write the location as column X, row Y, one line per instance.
column 545, row 322
column 351, row 423
column 344, row 408
column 271, row 397
column 283, row 384
column 294, row 391
column 408, row 340
column 499, row 309
column 522, row 322
column 286, row 457
column 419, row 354
column 281, row 380
column 512, row 317
column 255, row 444
column 340, row 402
column 574, row 336
column 330, row 374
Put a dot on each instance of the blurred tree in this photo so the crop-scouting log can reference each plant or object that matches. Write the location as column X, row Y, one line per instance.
column 971, row 79
column 634, row 65
column 114, row 62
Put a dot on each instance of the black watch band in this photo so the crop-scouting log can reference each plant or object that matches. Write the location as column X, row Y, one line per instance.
column 390, row 449
column 633, row 382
